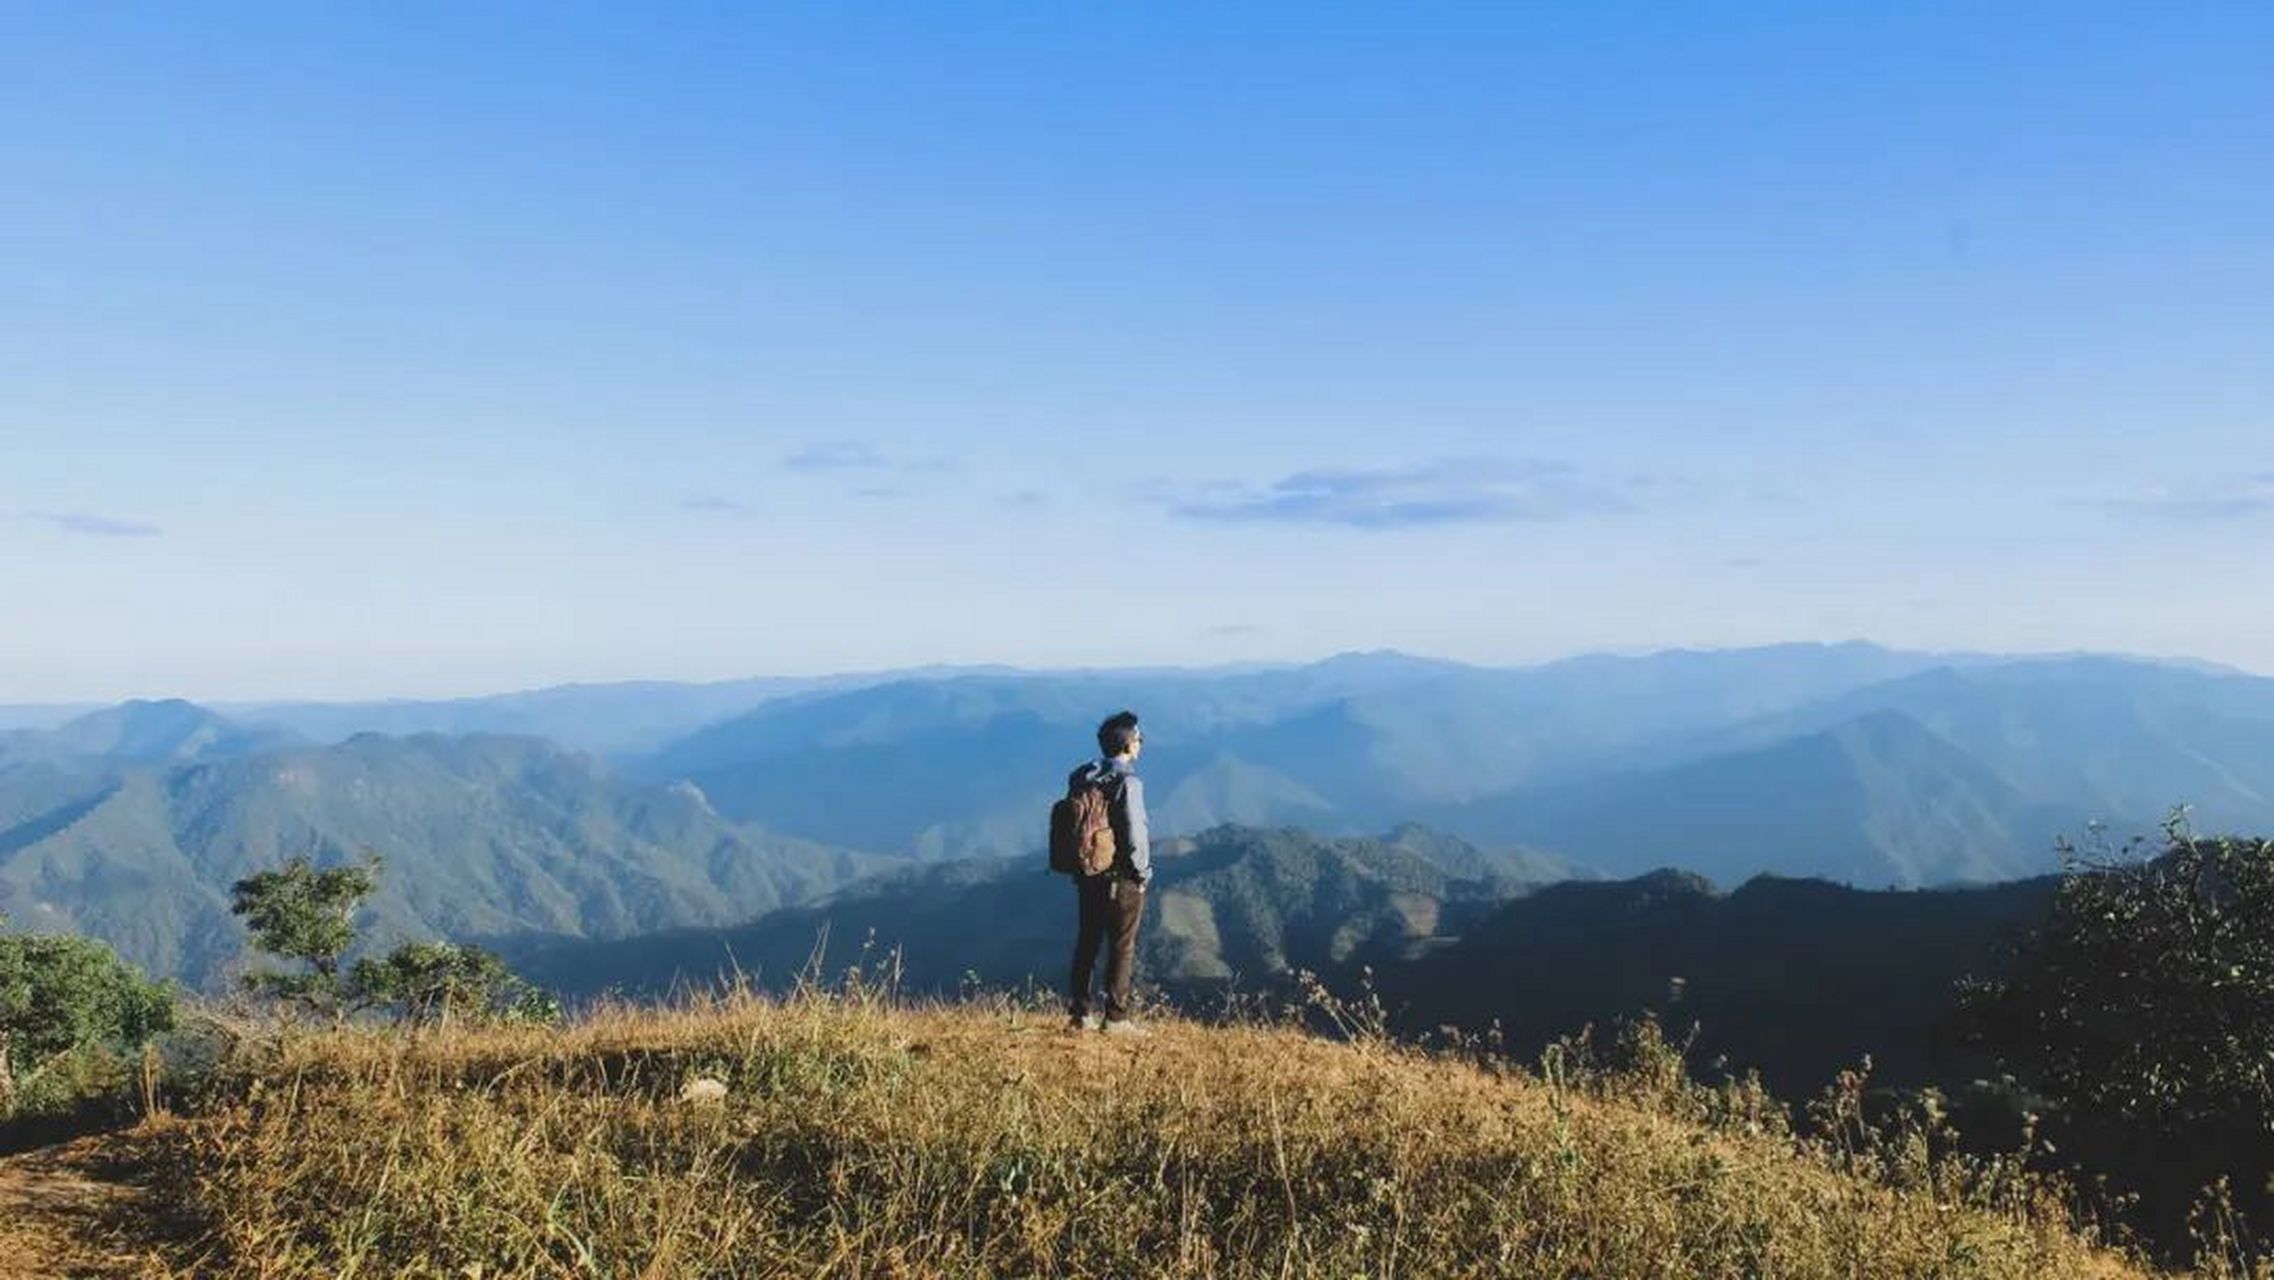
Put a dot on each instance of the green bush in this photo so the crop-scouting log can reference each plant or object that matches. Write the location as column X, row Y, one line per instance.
column 432, row 982
column 68, row 1006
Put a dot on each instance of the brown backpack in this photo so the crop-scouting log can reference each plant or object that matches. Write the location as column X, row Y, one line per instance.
column 1081, row 825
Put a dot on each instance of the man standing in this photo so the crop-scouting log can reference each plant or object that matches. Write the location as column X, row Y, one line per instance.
column 1112, row 901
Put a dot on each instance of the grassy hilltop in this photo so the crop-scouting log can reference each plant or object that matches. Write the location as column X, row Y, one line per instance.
column 856, row 1138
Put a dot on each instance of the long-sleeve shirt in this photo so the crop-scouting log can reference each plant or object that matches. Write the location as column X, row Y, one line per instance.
column 1132, row 832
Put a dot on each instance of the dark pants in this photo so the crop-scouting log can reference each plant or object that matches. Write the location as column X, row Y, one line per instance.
column 1110, row 908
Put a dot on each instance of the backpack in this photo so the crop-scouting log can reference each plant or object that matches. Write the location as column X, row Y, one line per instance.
column 1081, row 825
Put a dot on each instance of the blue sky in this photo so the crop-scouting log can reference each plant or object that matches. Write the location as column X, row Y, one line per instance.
column 430, row 348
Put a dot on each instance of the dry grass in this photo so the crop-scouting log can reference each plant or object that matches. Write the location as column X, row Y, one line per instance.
column 858, row 1139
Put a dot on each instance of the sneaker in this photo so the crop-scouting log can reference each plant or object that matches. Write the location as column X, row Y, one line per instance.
column 1084, row 1022
column 1129, row 1027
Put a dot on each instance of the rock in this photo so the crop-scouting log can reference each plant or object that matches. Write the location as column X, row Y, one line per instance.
column 703, row 1089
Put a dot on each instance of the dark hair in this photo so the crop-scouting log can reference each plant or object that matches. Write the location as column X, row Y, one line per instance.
column 1117, row 733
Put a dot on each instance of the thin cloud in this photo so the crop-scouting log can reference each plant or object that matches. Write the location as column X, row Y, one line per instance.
column 87, row 524
column 1448, row 492
column 2252, row 497
column 1026, row 499
column 712, row 504
column 836, row 455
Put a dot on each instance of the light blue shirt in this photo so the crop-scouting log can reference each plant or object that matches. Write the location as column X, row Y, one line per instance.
column 1132, row 833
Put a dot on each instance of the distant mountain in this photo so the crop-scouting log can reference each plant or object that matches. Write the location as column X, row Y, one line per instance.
column 963, row 767
column 610, row 719
column 1844, row 761
column 1877, row 800
column 485, row 837
column 132, row 733
column 156, row 733
column 1798, row 978
column 1231, row 906
column 2122, row 739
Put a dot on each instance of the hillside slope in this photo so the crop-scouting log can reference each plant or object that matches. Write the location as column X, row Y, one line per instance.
column 486, row 838
column 1800, row 979
column 848, row 1137
column 1233, row 904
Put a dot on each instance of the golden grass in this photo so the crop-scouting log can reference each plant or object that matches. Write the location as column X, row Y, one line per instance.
column 858, row 1139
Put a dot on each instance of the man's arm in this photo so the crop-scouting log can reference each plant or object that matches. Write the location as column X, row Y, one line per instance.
column 1140, row 831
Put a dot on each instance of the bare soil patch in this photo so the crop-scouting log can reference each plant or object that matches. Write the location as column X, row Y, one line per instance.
column 76, row 1209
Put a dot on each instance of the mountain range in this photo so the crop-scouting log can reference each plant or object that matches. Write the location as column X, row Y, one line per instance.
column 701, row 806
column 605, row 719
column 1844, row 761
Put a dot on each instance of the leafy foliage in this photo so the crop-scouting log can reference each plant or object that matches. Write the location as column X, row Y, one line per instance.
column 61, row 994
column 2149, row 993
column 302, row 914
column 2144, row 1008
column 306, row 915
column 432, row 982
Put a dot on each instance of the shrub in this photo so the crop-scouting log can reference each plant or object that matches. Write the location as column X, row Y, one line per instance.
column 432, row 982
column 2144, row 1008
column 63, row 999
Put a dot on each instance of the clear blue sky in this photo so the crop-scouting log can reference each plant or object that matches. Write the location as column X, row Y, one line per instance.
column 417, row 348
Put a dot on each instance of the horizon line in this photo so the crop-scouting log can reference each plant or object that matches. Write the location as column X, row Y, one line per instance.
column 982, row 669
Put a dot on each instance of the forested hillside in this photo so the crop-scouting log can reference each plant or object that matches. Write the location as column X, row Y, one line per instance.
column 1797, row 978
column 131, row 826
column 1232, row 906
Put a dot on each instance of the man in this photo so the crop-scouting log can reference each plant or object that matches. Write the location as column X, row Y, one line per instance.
column 1111, row 903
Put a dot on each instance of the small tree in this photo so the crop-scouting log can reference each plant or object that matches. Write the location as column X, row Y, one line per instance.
column 306, row 915
column 62, row 994
column 302, row 914
column 431, row 982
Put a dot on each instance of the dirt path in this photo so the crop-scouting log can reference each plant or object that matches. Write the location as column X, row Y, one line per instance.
column 73, row 1211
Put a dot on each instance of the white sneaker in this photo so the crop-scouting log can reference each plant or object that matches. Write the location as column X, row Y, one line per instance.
column 1085, row 1022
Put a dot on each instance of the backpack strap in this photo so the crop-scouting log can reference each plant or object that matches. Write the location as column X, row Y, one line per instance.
column 1113, row 782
